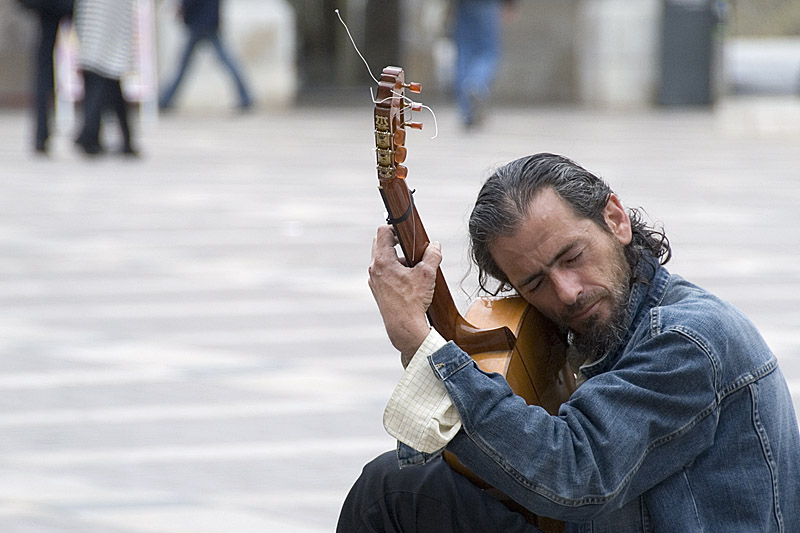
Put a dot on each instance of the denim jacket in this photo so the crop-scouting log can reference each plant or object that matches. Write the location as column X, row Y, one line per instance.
column 687, row 426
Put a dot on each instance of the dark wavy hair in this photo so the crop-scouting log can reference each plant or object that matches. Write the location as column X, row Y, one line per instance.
column 504, row 202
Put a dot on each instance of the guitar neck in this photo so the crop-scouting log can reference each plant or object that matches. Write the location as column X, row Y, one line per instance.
column 390, row 123
column 443, row 313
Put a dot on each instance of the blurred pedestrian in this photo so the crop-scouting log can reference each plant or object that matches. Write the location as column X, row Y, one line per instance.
column 50, row 14
column 202, row 21
column 479, row 43
column 105, row 35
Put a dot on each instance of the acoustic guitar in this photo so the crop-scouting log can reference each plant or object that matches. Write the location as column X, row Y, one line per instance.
column 503, row 335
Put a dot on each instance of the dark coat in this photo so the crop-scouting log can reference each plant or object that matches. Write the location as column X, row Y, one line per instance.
column 201, row 16
column 56, row 8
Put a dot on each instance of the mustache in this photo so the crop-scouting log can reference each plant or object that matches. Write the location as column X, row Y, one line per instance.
column 582, row 303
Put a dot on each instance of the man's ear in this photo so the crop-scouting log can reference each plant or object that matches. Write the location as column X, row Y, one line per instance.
column 617, row 219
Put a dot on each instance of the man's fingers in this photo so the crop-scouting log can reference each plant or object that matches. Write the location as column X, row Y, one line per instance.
column 384, row 253
column 383, row 245
column 403, row 294
column 433, row 255
column 386, row 236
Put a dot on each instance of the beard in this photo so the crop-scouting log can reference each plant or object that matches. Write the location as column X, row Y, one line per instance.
column 597, row 337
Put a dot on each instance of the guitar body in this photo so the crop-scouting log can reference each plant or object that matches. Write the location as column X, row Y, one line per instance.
column 503, row 335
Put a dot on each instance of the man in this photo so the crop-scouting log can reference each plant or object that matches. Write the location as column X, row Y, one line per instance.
column 682, row 420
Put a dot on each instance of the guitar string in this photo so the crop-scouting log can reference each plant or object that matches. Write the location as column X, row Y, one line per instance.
column 407, row 102
column 356, row 47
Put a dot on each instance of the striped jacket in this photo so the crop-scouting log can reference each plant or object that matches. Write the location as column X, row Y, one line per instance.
column 105, row 33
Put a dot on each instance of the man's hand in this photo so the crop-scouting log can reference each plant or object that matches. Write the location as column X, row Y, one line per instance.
column 403, row 293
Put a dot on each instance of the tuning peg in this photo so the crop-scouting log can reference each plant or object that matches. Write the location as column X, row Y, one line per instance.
column 399, row 137
column 415, row 125
column 400, row 154
column 401, row 172
column 416, row 106
column 413, row 86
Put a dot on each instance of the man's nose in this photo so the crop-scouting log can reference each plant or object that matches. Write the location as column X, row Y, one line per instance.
column 567, row 286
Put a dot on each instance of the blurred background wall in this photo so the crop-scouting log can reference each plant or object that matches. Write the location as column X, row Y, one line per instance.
column 604, row 53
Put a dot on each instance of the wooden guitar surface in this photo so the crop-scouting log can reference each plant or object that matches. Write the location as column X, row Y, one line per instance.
column 503, row 335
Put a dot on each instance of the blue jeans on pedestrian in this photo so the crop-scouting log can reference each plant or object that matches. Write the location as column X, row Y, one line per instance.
column 194, row 39
column 478, row 42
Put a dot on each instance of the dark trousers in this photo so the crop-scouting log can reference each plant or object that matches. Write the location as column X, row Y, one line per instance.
column 45, row 80
column 428, row 498
column 101, row 93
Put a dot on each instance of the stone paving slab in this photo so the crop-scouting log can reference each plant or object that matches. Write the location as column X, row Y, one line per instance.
column 188, row 343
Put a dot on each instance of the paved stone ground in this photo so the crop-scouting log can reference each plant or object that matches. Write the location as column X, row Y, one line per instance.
column 188, row 343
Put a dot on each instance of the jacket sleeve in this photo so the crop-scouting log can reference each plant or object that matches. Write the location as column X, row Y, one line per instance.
column 621, row 432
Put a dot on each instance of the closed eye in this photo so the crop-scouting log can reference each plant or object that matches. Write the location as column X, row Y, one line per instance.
column 533, row 286
column 569, row 256
column 574, row 259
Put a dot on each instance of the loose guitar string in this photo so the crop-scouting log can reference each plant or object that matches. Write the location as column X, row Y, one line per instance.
column 406, row 101
column 407, row 106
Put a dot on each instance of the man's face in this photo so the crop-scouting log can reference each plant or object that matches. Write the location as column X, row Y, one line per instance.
column 567, row 267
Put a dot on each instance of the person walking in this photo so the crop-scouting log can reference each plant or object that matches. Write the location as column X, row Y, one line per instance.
column 478, row 35
column 202, row 21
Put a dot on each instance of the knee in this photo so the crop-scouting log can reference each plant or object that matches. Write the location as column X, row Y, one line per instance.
column 377, row 475
column 368, row 489
column 383, row 482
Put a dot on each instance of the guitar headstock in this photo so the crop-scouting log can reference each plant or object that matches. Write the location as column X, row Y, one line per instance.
column 390, row 123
